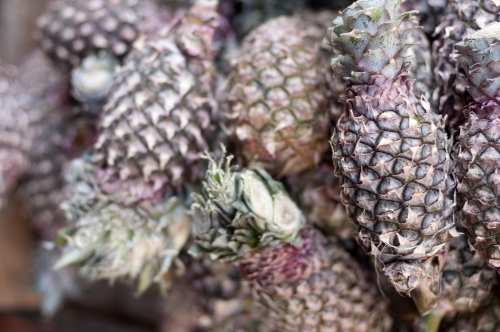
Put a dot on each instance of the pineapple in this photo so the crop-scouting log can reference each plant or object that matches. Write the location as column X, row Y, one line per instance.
column 461, row 19
column 392, row 153
column 126, row 203
column 53, row 132
column 486, row 319
column 212, row 281
column 300, row 280
column 277, row 97
column 41, row 79
column 15, row 140
column 71, row 30
column 467, row 281
column 92, row 80
column 161, row 109
column 478, row 148
column 112, row 239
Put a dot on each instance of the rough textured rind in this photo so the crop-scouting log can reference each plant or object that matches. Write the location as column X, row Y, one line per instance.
column 478, row 149
column 211, row 280
column 392, row 153
column 53, row 132
column 161, row 111
column 111, row 238
column 461, row 19
column 486, row 319
column 15, row 140
column 300, row 280
column 336, row 297
column 467, row 280
column 71, row 30
column 277, row 96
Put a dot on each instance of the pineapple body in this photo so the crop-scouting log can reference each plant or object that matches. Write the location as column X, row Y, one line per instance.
column 126, row 206
column 334, row 297
column 277, row 97
column 70, row 30
column 461, row 19
column 479, row 143
column 160, row 111
column 392, row 153
column 53, row 133
column 467, row 280
column 15, row 140
column 300, row 280
column 486, row 319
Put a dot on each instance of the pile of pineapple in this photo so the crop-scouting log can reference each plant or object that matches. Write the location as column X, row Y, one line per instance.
column 252, row 148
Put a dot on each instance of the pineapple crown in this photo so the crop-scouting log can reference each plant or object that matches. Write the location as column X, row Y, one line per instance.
column 110, row 241
column 242, row 211
column 479, row 57
column 367, row 37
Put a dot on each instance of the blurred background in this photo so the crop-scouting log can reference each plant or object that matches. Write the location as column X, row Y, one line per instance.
column 96, row 307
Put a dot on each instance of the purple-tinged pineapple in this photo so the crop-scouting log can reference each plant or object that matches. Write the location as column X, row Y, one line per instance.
column 485, row 319
column 71, row 30
column 478, row 146
column 52, row 132
column 161, row 112
column 300, row 280
column 420, row 52
column 126, row 203
column 15, row 140
column 391, row 153
column 466, row 282
column 461, row 19
column 277, row 96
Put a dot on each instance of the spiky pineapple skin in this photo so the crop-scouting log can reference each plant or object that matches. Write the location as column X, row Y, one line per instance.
column 211, row 280
column 15, row 139
column 467, row 280
column 53, row 133
column 392, row 153
column 478, row 148
column 161, row 110
column 460, row 19
column 72, row 29
column 277, row 97
column 300, row 280
column 486, row 319
column 335, row 297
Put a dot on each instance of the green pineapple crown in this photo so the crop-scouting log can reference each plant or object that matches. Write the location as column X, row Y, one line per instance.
column 367, row 37
column 241, row 211
column 479, row 56
column 119, row 241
